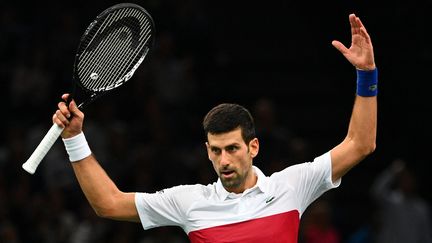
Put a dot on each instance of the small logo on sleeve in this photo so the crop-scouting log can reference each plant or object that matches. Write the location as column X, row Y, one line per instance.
column 160, row 191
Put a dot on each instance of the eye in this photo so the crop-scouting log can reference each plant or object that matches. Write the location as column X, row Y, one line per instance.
column 231, row 148
column 216, row 150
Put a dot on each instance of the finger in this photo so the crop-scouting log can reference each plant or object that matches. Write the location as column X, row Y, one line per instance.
column 359, row 22
column 60, row 119
column 57, row 121
column 65, row 96
column 354, row 24
column 365, row 34
column 64, row 109
column 341, row 47
column 74, row 109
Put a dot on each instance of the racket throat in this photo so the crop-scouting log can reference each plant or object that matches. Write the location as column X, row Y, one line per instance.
column 88, row 101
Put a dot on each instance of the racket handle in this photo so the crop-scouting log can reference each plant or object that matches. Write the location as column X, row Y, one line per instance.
column 42, row 149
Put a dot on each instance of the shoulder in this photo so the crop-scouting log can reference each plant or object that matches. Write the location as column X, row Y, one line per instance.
column 290, row 171
column 320, row 162
column 319, row 165
column 188, row 190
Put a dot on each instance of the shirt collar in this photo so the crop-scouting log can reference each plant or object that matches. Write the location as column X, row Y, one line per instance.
column 261, row 185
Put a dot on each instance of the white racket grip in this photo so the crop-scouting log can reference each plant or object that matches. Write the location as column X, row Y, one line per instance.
column 42, row 149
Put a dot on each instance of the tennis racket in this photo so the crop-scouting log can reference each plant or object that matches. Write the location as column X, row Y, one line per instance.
column 109, row 52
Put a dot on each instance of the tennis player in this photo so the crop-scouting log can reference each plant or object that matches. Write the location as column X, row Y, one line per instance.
column 243, row 205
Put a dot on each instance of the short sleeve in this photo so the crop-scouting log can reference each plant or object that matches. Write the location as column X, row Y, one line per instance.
column 308, row 180
column 166, row 207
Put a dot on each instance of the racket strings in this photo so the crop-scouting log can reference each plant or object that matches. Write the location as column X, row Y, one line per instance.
column 111, row 58
column 96, row 60
column 114, row 57
column 133, row 57
column 92, row 58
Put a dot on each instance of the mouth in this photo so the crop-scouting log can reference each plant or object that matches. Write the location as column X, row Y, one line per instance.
column 227, row 173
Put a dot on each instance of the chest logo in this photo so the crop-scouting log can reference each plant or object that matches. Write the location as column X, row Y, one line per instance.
column 268, row 200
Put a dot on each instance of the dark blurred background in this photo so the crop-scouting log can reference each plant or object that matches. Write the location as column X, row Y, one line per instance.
column 274, row 57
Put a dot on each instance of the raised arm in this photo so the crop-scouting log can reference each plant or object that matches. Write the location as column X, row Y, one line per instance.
column 101, row 192
column 360, row 139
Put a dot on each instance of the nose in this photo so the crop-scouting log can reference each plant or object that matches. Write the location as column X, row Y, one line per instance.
column 224, row 159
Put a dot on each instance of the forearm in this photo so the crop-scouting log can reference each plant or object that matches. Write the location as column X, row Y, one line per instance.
column 363, row 125
column 101, row 192
column 98, row 188
column 360, row 140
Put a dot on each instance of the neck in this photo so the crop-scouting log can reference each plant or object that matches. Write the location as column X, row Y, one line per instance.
column 249, row 182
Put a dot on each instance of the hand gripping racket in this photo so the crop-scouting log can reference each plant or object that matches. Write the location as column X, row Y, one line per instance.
column 110, row 51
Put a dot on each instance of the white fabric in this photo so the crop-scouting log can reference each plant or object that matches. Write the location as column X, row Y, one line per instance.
column 195, row 207
column 77, row 147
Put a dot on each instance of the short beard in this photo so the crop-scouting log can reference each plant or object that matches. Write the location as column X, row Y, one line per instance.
column 236, row 182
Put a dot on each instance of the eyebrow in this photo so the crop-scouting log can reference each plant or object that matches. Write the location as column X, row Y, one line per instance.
column 229, row 145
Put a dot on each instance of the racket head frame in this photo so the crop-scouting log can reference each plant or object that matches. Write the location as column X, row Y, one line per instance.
column 93, row 94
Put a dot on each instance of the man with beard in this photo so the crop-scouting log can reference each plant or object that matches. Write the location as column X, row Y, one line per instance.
column 244, row 205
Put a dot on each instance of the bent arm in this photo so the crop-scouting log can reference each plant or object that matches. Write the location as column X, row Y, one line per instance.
column 360, row 140
column 101, row 192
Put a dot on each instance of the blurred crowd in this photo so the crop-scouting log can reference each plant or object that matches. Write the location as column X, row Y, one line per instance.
column 148, row 134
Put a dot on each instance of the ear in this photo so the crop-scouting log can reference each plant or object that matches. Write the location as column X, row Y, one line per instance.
column 208, row 150
column 254, row 147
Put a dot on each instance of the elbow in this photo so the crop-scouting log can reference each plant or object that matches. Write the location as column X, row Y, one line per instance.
column 105, row 208
column 108, row 213
column 370, row 148
column 367, row 149
column 104, row 212
column 118, row 207
column 362, row 146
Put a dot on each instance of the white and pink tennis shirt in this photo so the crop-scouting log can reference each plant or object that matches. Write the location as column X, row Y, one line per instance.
column 268, row 212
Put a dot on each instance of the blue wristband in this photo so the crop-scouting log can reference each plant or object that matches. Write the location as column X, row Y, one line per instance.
column 367, row 82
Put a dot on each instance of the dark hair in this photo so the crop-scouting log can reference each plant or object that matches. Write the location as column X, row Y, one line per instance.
column 227, row 117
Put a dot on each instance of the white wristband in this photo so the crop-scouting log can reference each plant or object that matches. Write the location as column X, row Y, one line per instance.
column 77, row 147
